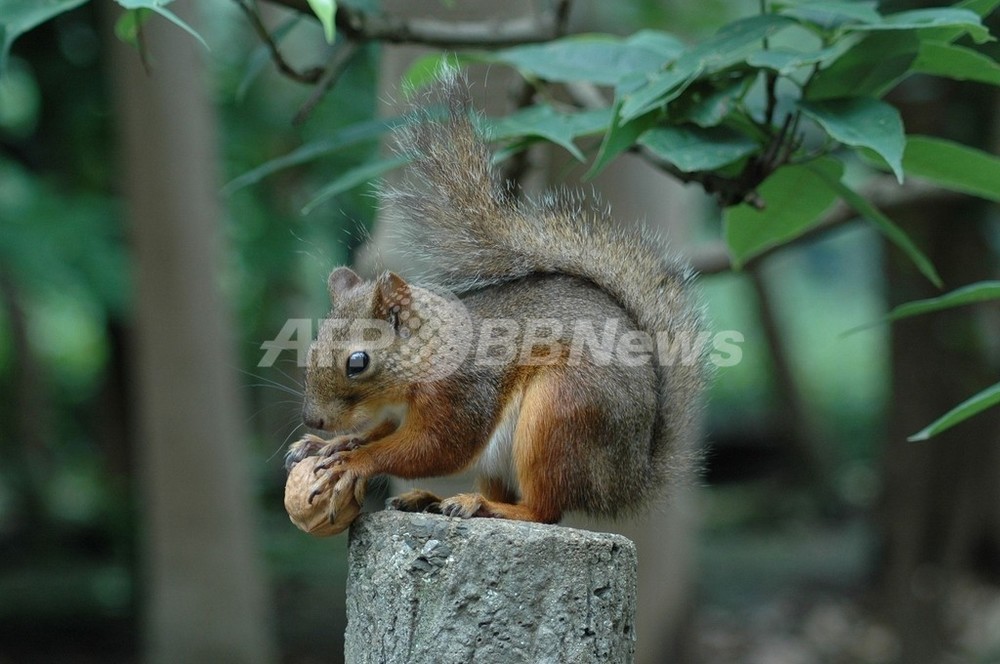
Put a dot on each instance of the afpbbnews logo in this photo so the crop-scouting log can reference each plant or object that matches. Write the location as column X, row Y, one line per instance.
column 501, row 341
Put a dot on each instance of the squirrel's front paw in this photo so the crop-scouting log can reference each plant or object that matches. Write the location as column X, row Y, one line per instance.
column 350, row 487
column 336, row 459
column 350, row 470
column 314, row 503
column 347, row 484
column 312, row 445
column 309, row 445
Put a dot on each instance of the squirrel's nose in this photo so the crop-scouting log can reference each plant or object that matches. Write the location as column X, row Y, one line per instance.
column 311, row 419
column 314, row 422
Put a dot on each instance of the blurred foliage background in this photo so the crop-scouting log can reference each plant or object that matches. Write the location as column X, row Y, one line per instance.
column 71, row 583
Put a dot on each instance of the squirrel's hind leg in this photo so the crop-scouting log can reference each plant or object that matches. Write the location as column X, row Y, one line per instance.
column 496, row 499
column 545, row 468
column 468, row 505
column 465, row 505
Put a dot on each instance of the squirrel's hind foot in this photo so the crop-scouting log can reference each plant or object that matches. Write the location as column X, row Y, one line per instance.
column 416, row 500
column 474, row 505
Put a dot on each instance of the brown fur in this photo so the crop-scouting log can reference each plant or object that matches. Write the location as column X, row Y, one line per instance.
column 549, row 436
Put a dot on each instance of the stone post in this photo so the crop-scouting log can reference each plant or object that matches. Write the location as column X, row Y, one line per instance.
column 428, row 589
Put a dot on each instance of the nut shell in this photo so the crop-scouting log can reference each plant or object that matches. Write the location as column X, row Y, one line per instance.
column 317, row 519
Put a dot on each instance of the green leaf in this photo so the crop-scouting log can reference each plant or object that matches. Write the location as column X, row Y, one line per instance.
column 963, row 411
column 129, row 24
column 862, row 122
column 870, row 68
column 363, row 131
column 159, row 6
column 599, row 59
column 936, row 17
column 352, row 178
column 894, row 233
column 619, row 138
column 729, row 46
column 829, row 14
column 795, row 197
column 978, row 292
column 426, row 69
column 956, row 62
column 546, row 122
column 692, row 148
column 660, row 88
column 982, row 7
column 953, row 166
column 667, row 45
column 785, row 61
column 709, row 110
column 505, row 152
column 326, row 12
column 732, row 43
column 19, row 16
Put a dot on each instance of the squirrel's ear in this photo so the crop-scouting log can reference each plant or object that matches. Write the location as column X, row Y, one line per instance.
column 341, row 280
column 392, row 295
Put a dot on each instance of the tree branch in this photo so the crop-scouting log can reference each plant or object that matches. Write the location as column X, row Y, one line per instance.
column 884, row 193
column 338, row 63
column 728, row 190
column 309, row 76
column 362, row 26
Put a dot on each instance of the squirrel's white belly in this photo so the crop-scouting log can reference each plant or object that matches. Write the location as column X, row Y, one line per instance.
column 497, row 459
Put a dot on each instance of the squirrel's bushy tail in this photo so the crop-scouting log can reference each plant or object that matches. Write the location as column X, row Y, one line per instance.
column 474, row 232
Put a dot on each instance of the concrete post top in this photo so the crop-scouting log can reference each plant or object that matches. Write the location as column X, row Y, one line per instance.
column 429, row 588
column 425, row 525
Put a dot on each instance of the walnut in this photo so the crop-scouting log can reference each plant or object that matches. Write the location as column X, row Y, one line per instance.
column 319, row 516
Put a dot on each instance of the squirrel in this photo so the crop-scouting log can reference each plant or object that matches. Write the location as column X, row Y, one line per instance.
column 568, row 420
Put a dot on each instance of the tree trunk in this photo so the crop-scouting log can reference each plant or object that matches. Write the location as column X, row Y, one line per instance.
column 30, row 414
column 939, row 501
column 204, row 591
column 940, row 494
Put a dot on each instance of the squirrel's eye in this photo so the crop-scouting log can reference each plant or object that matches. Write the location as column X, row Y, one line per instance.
column 356, row 363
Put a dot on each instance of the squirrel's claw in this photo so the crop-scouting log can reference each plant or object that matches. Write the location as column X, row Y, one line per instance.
column 320, row 485
column 334, row 460
column 350, row 485
column 416, row 500
column 318, row 488
column 308, row 445
column 464, row 505
column 336, row 451
column 312, row 495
